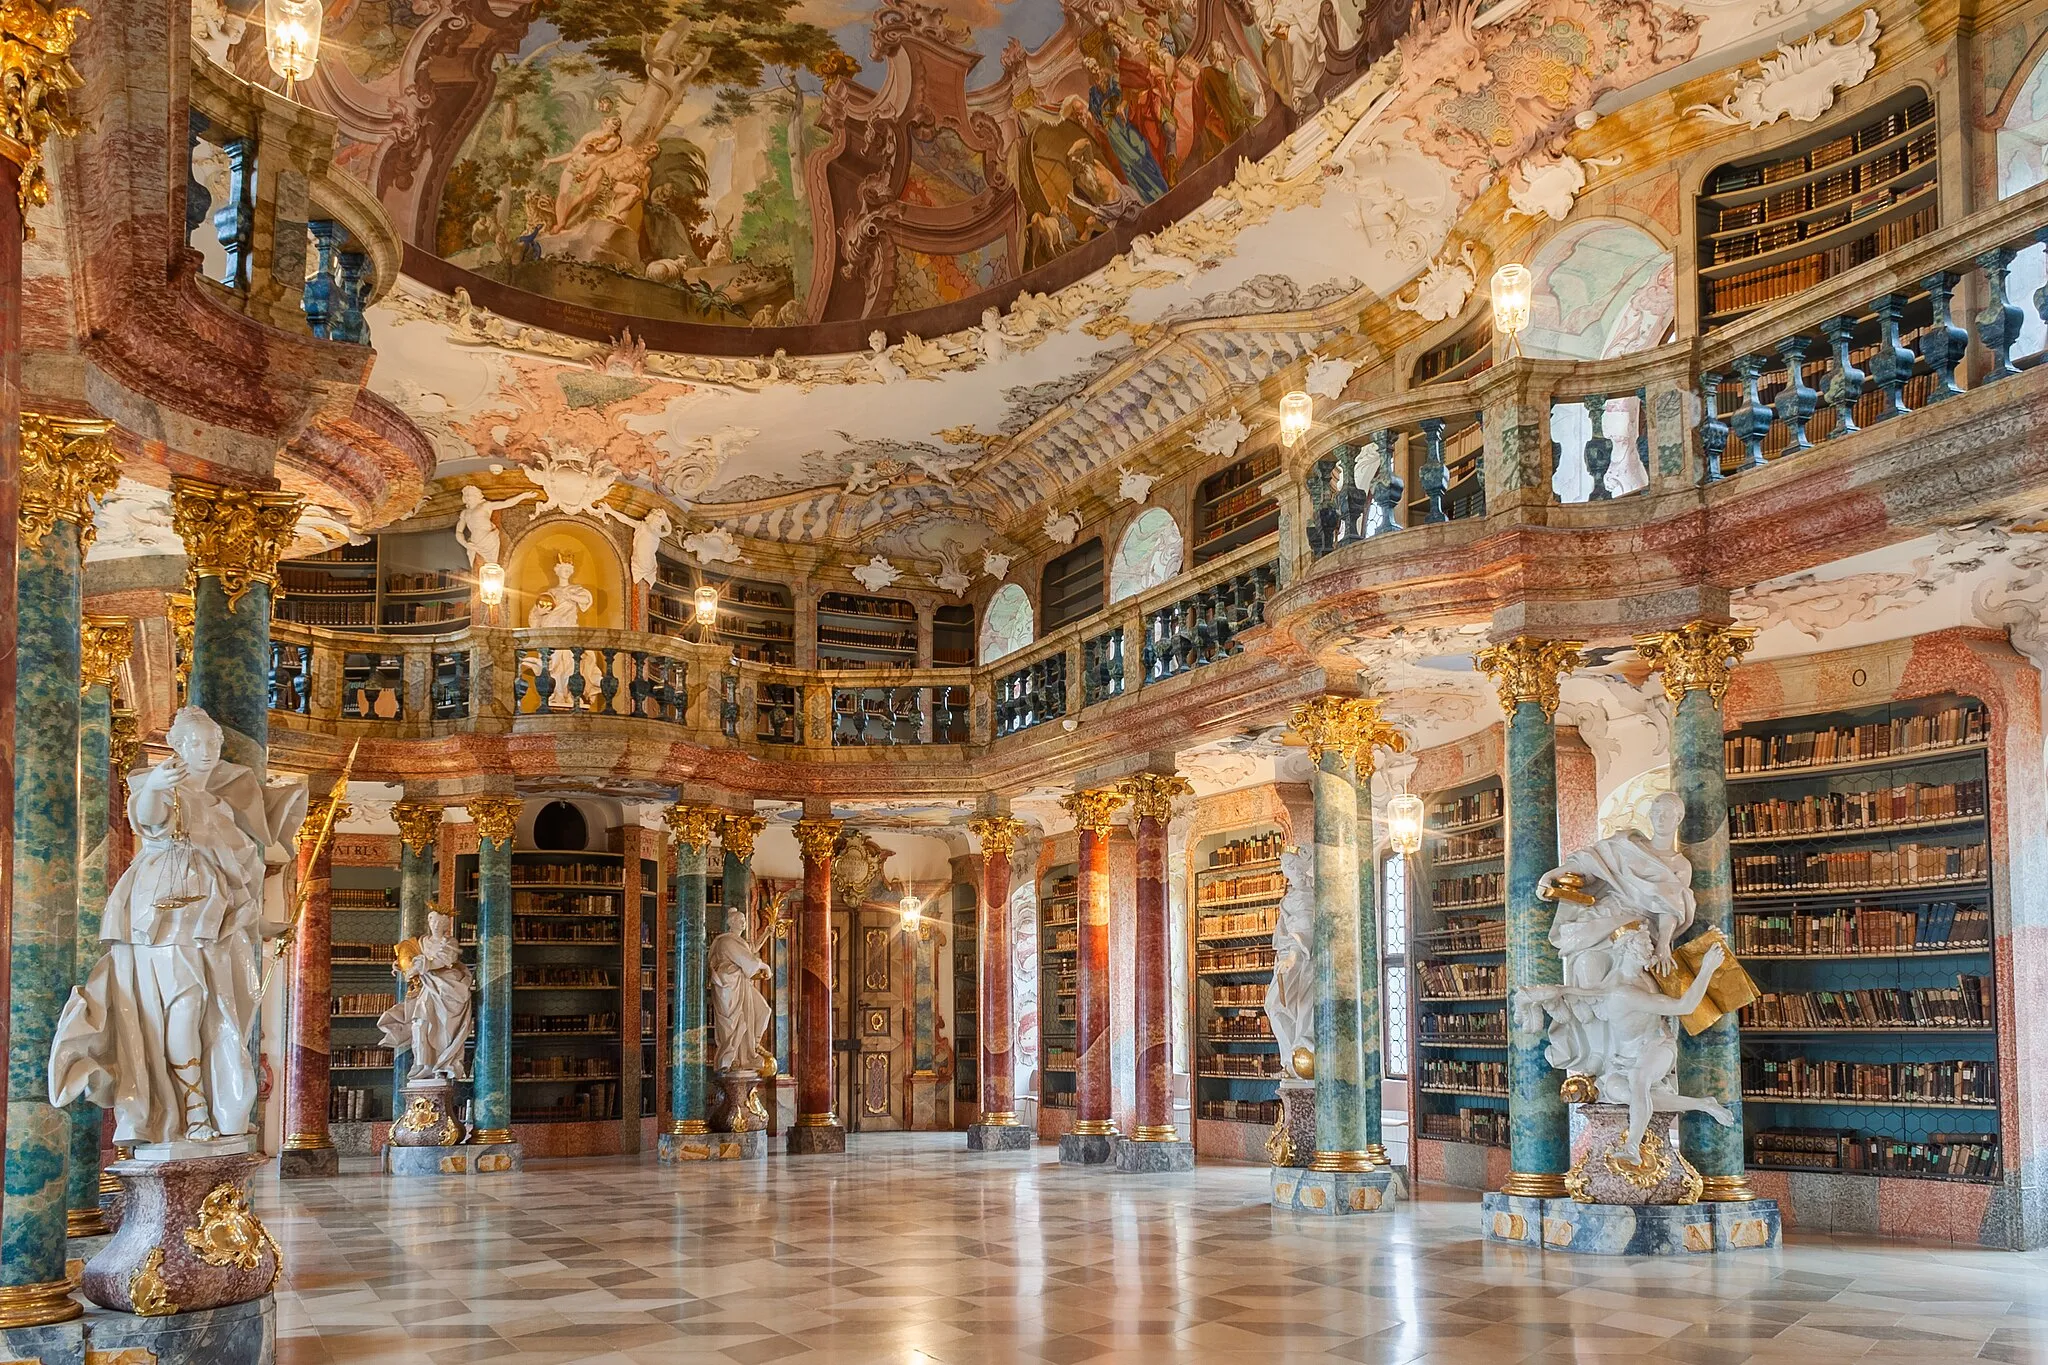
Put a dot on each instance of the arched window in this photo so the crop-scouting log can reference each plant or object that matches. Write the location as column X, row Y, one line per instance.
column 1007, row 626
column 1149, row 554
column 1394, row 1045
column 2023, row 164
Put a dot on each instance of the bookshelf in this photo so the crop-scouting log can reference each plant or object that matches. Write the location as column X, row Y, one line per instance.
column 1071, row 587
column 1773, row 226
column 407, row 583
column 966, row 998
column 856, row 631
column 953, row 636
column 1460, row 985
column 364, row 903
column 567, row 984
column 1863, row 909
column 652, row 1033
column 1237, row 905
column 756, row 620
column 1468, row 353
column 1231, row 511
column 1059, row 930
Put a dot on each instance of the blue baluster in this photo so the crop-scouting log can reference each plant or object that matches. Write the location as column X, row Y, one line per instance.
column 1891, row 364
column 1387, row 488
column 234, row 222
column 352, row 292
column 1844, row 384
column 1599, row 448
column 1750, row 423
column 1943, row 343
column 1797, row 399
column 1713, row 431
column 317, row 298
column 1434, row 475
column 1998, row 323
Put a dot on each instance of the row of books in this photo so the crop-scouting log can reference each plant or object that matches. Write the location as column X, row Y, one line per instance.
column 1489, row 1126
column 1244, row 886
column 1484, row 1026
column 1238, row 925
column 1259, row 848
column 351, row 1104
column 361, row 952
column 1239, row 995
column 887, row 608
column 1826, row 812
column 868, row 639
column 538, row 929
column 556, row 903
column 598, row 1100
column 567, row 978
column 307, row 612
column 1241, row 1111
column 564, row 1069
column 1248, row 499
column 362, row 898
column 1974, row 1155
column 433, row 581
column 1477, row 888
column 564, row 874
column 1905, row 865
column 360, row 1056
column 424, row 613
column 1464, row 980
column 1066, row 941
column 1967, row 1004
column 1463, row 847
column 1444, row 1073
column 362, row 1002
column 1234, row 960
column 1732, row 178
column 1257, row 1065
column 1946, row 729
column 1242, row 1028
column 1963, row 1081
column 303, row 583
column 1864, row 929
column 1059, row 1059
column 1755, row 288
column 1470, row 934
column 1466, row 810
column 566, row 1023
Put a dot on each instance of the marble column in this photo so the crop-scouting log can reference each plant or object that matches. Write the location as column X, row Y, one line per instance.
column 308, row 1149
column 497, row 821
column 1371, row 1026
column 1527, row 670
column 1094, row 1136
column 64, row 465
column 1695, row 662
column 997, row 1129
column 1155, row 1144
column 737, row 833
column 105, row 644
column 419, row 825
column 692, row 828
column 817, row 1127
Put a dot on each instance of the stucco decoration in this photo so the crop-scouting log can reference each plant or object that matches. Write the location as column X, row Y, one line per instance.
column 1221, row 436
column 1062, row 527
column 134, row 522
column 1444, row 287
column 572, row 481
column 877, row 574
column 713, row 546
column 1327, row 375
column 1006, row 624
column 1132, row 486
column 1548, row 186
column 996, row 566
column 952, row 576
column 1150, row 553
column 1798, row 83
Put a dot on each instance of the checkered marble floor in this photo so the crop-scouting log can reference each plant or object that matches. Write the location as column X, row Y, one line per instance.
column 909, row 1250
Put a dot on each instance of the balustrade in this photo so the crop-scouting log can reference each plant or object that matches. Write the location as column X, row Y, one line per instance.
column 1102, row 667
column 291, row 677
column 603, row 680
column 451, row 684
column 1032, row 695
column 1205, row 625
column 372, row 686
column 1604, row 444
column 779, row 714
column 899, row 715
column 1356, row 491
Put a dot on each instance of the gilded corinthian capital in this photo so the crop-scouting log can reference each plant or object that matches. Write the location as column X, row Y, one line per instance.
column 235, row 535
column 738, row 832
column 818, row 837
column 105, row 642
column 1094, row 811
column 497, row 817
column 67, row 465
column 694, row 825
column 36, row 81
column 998, row 834
column 1528, row 669
column 1152, row 794
column 1698, row 656
column 418, row 824
column 1348, row 726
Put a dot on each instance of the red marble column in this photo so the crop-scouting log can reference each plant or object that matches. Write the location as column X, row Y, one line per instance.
column 998, row 835
column 817, row 1127
column 10, row 507
column 1154, row 987
column 1093, row 810
column 308, row 1145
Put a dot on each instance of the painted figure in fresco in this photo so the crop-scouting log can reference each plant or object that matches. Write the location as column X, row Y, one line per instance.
column 476, row 527
column 434, row 1017
column 1099, row 200
column 1632, row 877
column 1127, row 142
column 581, row 182
column 739, row 1012
column 161, row 1031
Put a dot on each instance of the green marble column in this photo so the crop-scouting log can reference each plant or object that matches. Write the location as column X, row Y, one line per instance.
column 419, row 825
column 1527, row 672
column 738, row 833
column 1372, row 1076
column 693, row 828
column 497, row 820
column 1695, row 662
column 105, row 644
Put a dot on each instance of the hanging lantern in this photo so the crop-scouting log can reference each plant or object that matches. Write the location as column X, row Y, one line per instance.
column 490, row 584
column 1513, row 286
column 707, row 605
column 292, row 38
column 910, row 909
column 1404, row 823
column 1297, row 413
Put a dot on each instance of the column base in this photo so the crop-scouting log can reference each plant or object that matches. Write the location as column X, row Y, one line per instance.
column 1088, row 1149
column 1630, row 1229
column 468, row 1158
column 1155, row 1157
column 1334, row 1193
column 239, row 1334
column 999, row 1137
column 58, row 1343
column 308, row 1163
column 813, row 1139
column 188, row 1240
column 682, row 1149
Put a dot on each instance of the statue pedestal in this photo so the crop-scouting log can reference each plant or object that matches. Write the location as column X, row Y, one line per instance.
column 1134, row 1157
column 308, row 1163
column 1604, row 1173
column 737, row 1107
column 812, row 1139
column 1000, row 1137
column 1088, row 1149
column 187, row 1241
column 56, row 1343
column 468, row 1158
column 1629, row 1229
column 680, row 1149
column 427, row 1116
column 1334, row 1193
column 239, row 1334
column 1293, row 1139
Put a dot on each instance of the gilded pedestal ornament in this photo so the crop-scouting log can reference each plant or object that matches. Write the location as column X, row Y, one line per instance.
column 36, row 81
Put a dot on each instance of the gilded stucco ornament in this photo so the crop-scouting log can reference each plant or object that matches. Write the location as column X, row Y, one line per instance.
column 1094, row 811
column 418, row 824
column 67, row 465
column 126, row 742
column 36, row 81
column 1698, row 656
column 147, row 1290
column 691, row 824
column 997, row 833
column 182, row 612
column 1527, row 669
column 817, row 836
column 497, row 817
column 1349, row 726
column 105, row 642
column 1152, row 794
column 738, row 832
column 318, row 818
column 227, row 1233
column 235, row 535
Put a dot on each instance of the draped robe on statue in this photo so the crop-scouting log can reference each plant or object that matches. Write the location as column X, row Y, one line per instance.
column 433, row 1020
column 739, row 1012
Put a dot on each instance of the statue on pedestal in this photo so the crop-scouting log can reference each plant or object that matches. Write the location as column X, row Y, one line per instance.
column 435, row 1017
column 1291, row 1010
column 739, row 1012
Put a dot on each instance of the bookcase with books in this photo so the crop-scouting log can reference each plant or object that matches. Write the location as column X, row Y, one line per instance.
column 652, row 1020
column 966, row 1003
column 1778, row 224
column 1460, row 986
column 856, row 631
column 1863, row 909
column 1238, row 889
column 408, row 583
column 364, row 903
column 1230, row 508
column 757, row 621
column 1059, row 941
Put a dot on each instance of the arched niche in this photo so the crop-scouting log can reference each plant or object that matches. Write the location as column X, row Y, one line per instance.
column 2023, row 164
column 1149, row 553
column 1006, row 626
column 531, row 571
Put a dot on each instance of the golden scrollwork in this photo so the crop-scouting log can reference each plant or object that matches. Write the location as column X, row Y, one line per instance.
column 1279, row 1147
column 36, row 81
column 423, row 1118
column 818, row 836
column 1697, row 657
column 497, row 817
column 124, row 743
column 316, row 817
column 227, row 1233
column 694, row 825
column 738, row 832
column 235, row 535
column 998, row 834
column 1528, row 669
column 182, row 612
column 105, row 642
column 1152, row 794
column 1348, row 726
column 67, row 465
column 1094, row 811
column 1578, row 1090
column 147, row 1291
column 419, row 822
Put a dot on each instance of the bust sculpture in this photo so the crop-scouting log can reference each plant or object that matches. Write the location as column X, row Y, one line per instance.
column 162, row 1030
column 435, row 1016
column 739, row 1012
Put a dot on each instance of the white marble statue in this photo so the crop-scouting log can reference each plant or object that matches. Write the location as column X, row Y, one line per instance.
column 1291, row 996
column 739, row 1012
column 162, row 1030
column 476, row 528
column 1634, row 878
column 648, row 533
column 435, row 1017
column 559, row 606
